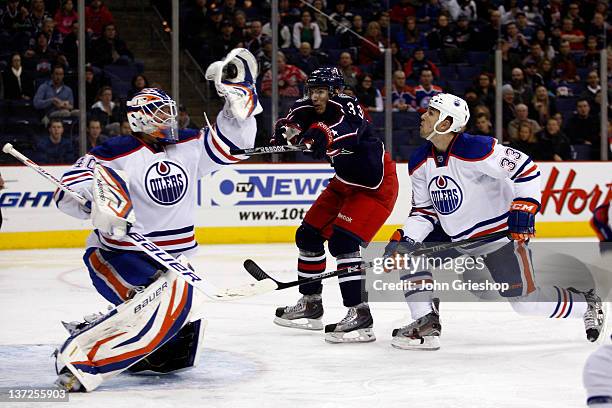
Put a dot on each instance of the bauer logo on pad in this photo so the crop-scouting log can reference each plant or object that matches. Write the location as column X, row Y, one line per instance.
column 166, row 182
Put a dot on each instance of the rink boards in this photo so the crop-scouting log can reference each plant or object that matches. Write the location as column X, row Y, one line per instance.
column 255, row 203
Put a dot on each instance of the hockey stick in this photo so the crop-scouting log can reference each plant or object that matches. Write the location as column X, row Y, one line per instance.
column 255, row 270
column 156, row 253
column 254, row 151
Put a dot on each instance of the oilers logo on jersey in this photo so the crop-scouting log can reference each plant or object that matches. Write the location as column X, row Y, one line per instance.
column 166, row 182
column 446, row 195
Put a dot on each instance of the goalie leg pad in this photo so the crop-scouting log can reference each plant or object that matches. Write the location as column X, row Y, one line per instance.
column 117, row 275
column 128, row 333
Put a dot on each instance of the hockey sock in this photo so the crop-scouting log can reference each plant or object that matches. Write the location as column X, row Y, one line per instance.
column 350, row 283
column 418, row 292
column 310, row 263
column 553, row 302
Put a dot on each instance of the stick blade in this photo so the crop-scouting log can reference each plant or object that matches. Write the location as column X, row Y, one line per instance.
column 255, row 271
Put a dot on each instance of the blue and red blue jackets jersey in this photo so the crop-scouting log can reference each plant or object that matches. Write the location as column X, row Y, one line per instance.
column 162, row 180
column 469, row 188
column 355, row 154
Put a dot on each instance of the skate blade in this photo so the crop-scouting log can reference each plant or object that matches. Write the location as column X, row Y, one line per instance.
column 427, row 343
column 304, row 324
column 355, row 336
column 68, row 382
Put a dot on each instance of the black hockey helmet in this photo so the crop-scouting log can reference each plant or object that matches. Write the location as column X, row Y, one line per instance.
column 329, row 77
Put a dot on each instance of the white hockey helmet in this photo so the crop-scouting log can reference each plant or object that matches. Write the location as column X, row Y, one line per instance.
column 453, row 106
column 154, row 112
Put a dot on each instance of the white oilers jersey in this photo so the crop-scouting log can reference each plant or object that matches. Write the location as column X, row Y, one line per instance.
column 162, row 181
column 469, row 188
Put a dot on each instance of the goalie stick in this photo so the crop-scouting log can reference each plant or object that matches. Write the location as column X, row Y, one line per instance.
column 258, row 273
column 156, row 253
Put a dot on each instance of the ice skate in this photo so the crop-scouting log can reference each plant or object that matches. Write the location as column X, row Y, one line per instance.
column 422, row 334
column 234, row 77
column 306, row 314
column 594, row 317
column 355, row 327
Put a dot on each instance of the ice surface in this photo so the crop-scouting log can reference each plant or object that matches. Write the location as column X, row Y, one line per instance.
column 490, row 356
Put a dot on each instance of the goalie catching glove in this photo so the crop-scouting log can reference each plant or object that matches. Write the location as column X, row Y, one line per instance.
column 111, row 211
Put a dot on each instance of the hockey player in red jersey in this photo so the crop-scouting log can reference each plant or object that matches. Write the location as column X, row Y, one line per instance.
column 348, row 213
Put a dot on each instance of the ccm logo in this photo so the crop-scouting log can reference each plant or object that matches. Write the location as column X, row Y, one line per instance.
column 528, row 207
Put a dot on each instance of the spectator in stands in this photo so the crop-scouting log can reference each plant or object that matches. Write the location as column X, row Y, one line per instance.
column 485, row 90
column 284, row 34
column 517, row 41
column 319, row 18
column 41, row 58
column 573, row 13
column 92, row 85
column 465, row 35
column 55, row 149
column 534, row 12
column 583, row 128
column 508, row 108
column 11, row 18
column 55, row 98
column 509, row 61
column 526, row 141
column 125, row 129
column 290, row 78
column 524, row 27
column 574, row 36
column 18, row 83
column 482, row 126
column 600, row 29
column 106, row 111
column 442, row 38
column 409, row 38
column 591, row 87
column 304, row 59
column 384, row 22
column 264, row 58
column 536, row 54
column 370, row 50
column 241, row 28
column 542, row 38
column 554, row 144
column 229, row 9
column 565, row 64
column 37, row 15
column 95, row 136
column 64, row 17
column 543, row 104
column 349, row 39
column 54, row 38
column 545, row 69
column 70, row 46
column 341, row 18
column 522, row 90
column 255, row 37
column 521, row 117
column 97, row 17
column 397, row 60
column 425, row 90
column 487, row 41
column 226, row 41
column 350, row 72
column 591, row 58
column 401, row 11
column 109, row 49
column 402, row 95
column 462, row 8
column 532, row 76
column 306, row 30
column 184, row 120
column 429, row 11
column 197, row 18
column 508, row 10
column 368, row 95
column 288, row 12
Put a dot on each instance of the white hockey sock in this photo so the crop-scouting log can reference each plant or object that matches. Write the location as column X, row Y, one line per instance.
column 552, row 302
column 416, row 293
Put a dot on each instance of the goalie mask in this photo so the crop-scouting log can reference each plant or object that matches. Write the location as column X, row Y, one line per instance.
column 152, row 111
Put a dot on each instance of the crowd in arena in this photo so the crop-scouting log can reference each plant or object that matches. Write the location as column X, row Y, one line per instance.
column 550, row 51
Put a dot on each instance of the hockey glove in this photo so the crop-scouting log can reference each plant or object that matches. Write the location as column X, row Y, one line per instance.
column 111, row 209
column 285, row 132
column 521, row 220
column 318, row 138
column 399, row 244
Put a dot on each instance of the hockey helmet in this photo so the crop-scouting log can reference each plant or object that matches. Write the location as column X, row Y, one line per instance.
column 328, row 77
column 153, row 111
column 453, row 106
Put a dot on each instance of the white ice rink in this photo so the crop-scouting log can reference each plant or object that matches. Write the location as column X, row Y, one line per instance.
column 490, row 356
